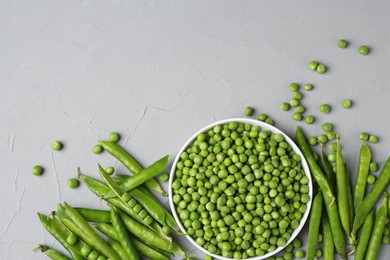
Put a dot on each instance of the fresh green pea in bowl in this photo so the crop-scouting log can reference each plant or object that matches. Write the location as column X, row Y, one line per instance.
column 240, row 189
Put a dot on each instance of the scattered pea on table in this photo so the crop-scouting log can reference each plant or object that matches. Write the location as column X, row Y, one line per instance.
column 371, row 179
column 285, row 106
column 114, row 137
column 373, row 139
column 56, row 145
column 363, row 50
column 309, row 119
column 110, row 170
column 342, row 43
column 73, row 183
column 297, row 95
column 373, row 167
column 300, row 109
column 327, row 127
column 297, row 116
column 163, row 177
column 37, row 170
column 324, row 108
column 300, row 254
column 261, row 117
column 97, row 149
column 313, row 140
column 321, row 68
column 294, row 102
column 248, row 111
column 293, row 87
column 312, row 65
column 363, row 136
column 347, row 103
column 322, row 139
column 308, row 87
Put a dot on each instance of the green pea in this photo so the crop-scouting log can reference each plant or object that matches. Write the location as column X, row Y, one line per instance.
column 163, row 177
column 110, row 170
column 269, row 121
column 297, row 95
column 363, row 50
column 309, row 119
column 333, row 147
column 293, row 87
column 37, row 170
column 73, row 183
column 342, row 43
column 297, row 116
column 363, row 136
column 327, row 127
column 371, row 179
column 300, row 109
column 373, row 139
column 321, row 68
column 261, row 117
column 331, row 135
column 114, row 137
column 386, row 239
column 248, row 111
column 373, row 167
column 324, row 108
column 300, row 254
column 285, row 106
column 97, row 149
column 294, row 102
column 322, row 139
column 308, row 87
column 312, row 65
column 318, row 253
column 208, row 257
column 56, row 145
column 347, row 103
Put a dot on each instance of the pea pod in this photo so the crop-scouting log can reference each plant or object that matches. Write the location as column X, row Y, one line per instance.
column 48, row 225
column 130, row 163
column 377, row 231
column 349, row 196
column 115, row 245
column 372, row 197
column 365, row 235
column 342, row 198
column 330, row 175
column 329, row 198
column 327, row 242
column 95, row 215
column 362, row 173
column 51, row 253
column 131, row 182
column 314, row 226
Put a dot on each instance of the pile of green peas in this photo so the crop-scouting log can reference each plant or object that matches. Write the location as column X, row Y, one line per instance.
column 240, row 191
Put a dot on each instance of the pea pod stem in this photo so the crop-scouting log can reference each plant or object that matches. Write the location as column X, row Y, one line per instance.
column 130, row 163
column 361, row 176
column 314, row 226
column 371, row 198
column 329, row 198
column 377, row 231
column 365, row 235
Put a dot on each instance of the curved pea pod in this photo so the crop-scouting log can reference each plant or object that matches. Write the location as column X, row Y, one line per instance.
column 314, row 226
column 51, row 253
column 329, row 198
column 149, row 235
column 372, row 197
column 130, row 163
column 130, row 182
column 377, row 231
column 362, row 173
column 365, row 235
column 48, row 225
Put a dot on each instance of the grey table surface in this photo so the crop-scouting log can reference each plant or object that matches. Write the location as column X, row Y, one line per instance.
column 156, row 72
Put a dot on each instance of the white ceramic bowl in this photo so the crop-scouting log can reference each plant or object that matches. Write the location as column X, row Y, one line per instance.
column 263, row 126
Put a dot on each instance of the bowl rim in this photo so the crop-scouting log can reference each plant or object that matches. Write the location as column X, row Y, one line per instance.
column 264, row 126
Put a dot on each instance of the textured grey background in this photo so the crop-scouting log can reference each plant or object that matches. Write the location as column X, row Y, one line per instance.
column 156, row 72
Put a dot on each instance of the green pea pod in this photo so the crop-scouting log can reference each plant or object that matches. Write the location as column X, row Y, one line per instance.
column 124, row 239
column 89, row 235
column 314, row 226
column 51, row 253
column 131, row 182
column 48, row 225
column 149, row 235
column 372, row 197
column 130, row 163
column 95, row 215
column 330, row 175
column 365, row 235
column 331, row 206
column 327, row 242
column 342, row 197
column 361, row 176
column 141, row 248
column 115, row 245
column 349, row 196
column 377, row 232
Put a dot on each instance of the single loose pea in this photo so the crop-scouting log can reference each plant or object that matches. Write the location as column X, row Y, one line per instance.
column 309, row 119
column 322, row 139
column 331, row 135
column 297, row 95
column 373, row 167
column 97, row 149
column 333, row 147
column 261, row 117
column 248, row 111
column 327, row 127
column 56, row 145
column 114, row 137
column 300, row 109
column 313, row 140
column 110, row 170
column 297, row 116
column 293, row 87
column 285, row 106
column 347, row 103
column 324, row 108
column 308, row 87
column 294, row 102
column 300, row 254
column 371, row 179
column 163, row 177
column 342, row 44
column 363, row 136
column 312, row 65
column 332, row 157
column 37, row 170
column 373, row 139
column 297, row 243
column 73, row 183
column 321, row 68
column 363, row 50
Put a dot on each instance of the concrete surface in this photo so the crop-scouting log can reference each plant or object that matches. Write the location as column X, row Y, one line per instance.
column 156, row 72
